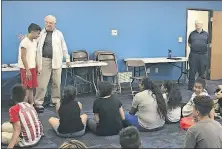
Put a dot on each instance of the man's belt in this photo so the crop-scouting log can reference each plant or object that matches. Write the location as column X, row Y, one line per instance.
column 199, row 52
column 47, row 56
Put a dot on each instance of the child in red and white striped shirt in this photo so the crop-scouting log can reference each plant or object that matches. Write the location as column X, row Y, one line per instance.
column 25, row 128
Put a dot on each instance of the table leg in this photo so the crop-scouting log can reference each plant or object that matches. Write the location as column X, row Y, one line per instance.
column 93, row 79
column 181, row 72
column 65, row 81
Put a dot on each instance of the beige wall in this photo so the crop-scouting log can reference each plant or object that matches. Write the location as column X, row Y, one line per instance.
column 194, row 15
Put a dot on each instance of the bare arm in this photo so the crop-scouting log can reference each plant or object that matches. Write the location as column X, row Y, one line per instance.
column 212, row 113
column 135, row 104
column 122, row 115
column 25, row 63
column 80, row 105
column 96, row 117
column 16, row 133
column 23, row 57
column 57, row 108
column 37, row 61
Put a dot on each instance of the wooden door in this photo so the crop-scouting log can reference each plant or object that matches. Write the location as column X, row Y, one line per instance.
column 216, row 47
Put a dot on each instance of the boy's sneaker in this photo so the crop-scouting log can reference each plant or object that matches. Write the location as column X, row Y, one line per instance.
column 39, row 108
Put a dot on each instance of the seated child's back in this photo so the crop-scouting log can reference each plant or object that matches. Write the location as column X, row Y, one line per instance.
column 24, row 119
column 71, row 123
column 110, row 122
column 108, row 111
column 70, row 120
column 173, row 98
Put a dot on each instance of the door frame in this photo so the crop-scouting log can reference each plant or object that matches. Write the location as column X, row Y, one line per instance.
column 210, row 36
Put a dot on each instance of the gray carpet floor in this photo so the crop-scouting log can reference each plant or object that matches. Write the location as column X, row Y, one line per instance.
column 169, row 137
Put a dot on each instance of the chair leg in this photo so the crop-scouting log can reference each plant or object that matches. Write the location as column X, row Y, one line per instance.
column 131, row 88
column 66, row 77
column 114, row 83
column 101, row 77
column 74, row 81
column 120, row 89
column 119, row 84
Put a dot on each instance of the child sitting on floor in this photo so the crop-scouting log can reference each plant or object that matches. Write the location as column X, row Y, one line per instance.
column 199, row 90
column 206, row 133
column 173, row 98
column 25, row 128
column 148, row 111
column 108, row 111
column 71, row 123
column 129, row 137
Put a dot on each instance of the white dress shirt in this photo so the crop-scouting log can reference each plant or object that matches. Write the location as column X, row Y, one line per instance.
column 59, row 49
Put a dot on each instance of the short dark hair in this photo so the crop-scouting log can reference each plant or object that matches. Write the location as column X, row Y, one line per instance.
column 105, row 88
column 201, row 81
column 69, row 94
column 203, row 104
column 34, row 27
column 18, row 93
column 129, row 137
column 73, row 144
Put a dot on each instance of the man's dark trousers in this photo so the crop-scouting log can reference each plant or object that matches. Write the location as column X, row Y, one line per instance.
column 197, row 63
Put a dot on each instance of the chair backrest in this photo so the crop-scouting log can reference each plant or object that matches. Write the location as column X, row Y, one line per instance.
column 80, row 55
column 96, row 53
column 111, row 69
column 135, row 63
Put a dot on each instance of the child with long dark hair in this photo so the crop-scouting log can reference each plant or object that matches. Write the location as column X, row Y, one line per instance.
column 71, row 123
column 148, row 110
column 173, row 98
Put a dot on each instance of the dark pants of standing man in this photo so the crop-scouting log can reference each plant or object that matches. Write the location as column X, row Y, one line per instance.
column 197, row 63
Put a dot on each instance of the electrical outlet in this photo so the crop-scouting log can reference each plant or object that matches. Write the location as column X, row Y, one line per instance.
column 114, row 33
column 148, row 70
column 180, row 39
column 156, row 70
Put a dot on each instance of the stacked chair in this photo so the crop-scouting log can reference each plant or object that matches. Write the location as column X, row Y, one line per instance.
column 81, row 55
column 136, row 66
column 109, row 71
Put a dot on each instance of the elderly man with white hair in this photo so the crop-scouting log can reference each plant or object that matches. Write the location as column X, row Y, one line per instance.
column 51, row 50
column 198, row 58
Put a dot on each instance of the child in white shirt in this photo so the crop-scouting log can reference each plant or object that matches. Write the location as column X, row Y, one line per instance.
column 199, row 90
column 173, row 98
column 27, row 61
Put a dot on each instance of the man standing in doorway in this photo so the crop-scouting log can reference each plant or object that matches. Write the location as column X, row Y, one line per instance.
column 198, row 59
